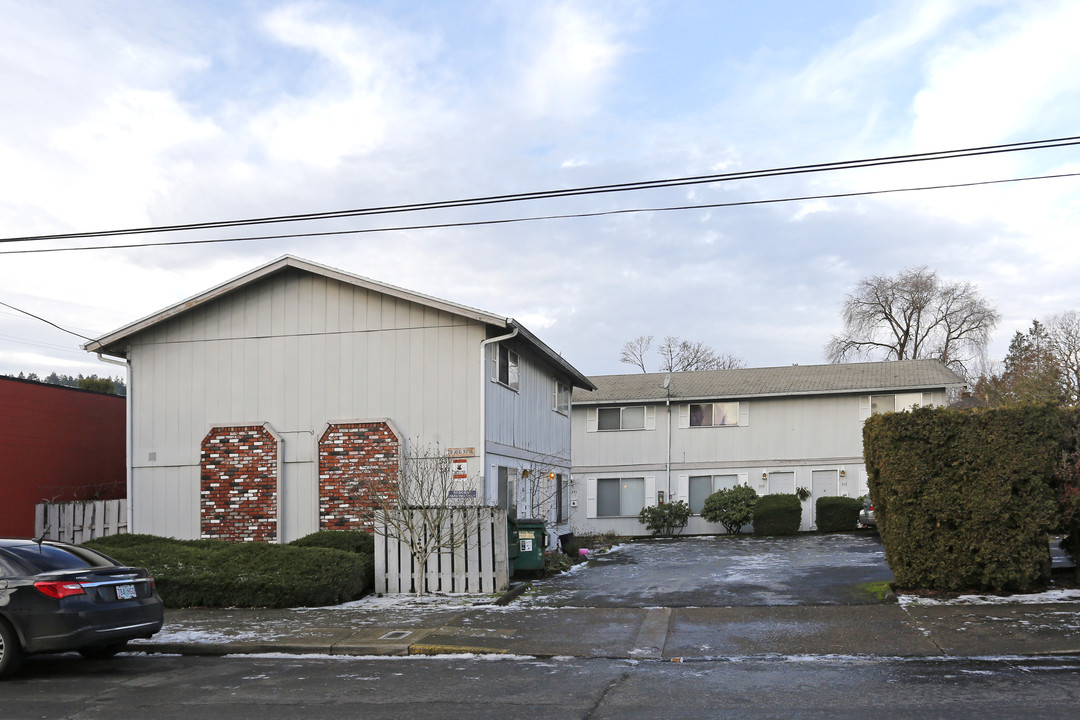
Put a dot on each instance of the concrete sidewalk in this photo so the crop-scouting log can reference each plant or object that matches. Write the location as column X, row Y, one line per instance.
column 455, row 625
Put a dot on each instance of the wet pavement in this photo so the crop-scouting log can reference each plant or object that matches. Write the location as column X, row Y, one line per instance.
column 698, row 598
column 722, row 571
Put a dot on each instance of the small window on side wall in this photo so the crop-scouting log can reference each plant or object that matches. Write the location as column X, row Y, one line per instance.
column 561, row 398
column 507, row 370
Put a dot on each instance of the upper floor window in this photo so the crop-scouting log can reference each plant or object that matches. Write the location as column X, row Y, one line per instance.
column 621, row 418
column 714, row 414
column 561, row 398
column 896, row 403
column 882, row 404
column 507, row 367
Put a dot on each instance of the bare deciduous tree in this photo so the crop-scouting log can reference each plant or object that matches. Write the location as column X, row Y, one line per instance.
column 423, row 507
column 540, row 490
column 633, row 352
column 914, row 315
column 678, row 355
column 1064, row 331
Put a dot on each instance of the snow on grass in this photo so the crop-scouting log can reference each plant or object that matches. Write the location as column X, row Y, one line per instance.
column 1040, row 598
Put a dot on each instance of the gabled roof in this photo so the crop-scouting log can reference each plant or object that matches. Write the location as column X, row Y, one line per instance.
column 113, row 343
column 842, row 378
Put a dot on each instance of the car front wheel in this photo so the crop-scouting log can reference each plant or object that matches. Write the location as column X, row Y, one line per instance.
column 10, row 650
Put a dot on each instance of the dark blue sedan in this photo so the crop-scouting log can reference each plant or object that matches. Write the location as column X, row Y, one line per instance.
column 56, row 597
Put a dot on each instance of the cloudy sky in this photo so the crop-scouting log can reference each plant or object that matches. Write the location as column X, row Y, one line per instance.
column 122, row 113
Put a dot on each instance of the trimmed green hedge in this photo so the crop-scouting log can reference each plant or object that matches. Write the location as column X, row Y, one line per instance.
column 966, row 499
column 215, row 573
column 837, row 514
column 779, row 514
column 355, row 541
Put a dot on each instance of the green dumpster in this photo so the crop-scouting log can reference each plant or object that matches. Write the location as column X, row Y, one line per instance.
column 531, row 543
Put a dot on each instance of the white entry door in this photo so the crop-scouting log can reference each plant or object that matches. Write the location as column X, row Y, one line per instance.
column 823, row 484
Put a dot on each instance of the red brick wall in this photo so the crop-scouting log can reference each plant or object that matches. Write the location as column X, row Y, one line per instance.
column 239, row 480
column 356, row 461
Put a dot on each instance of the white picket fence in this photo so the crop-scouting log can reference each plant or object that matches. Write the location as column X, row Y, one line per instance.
column 479, row 565
column 77, row 522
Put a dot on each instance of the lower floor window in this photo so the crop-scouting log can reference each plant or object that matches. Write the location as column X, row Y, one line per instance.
column 702, row 486
column 617, row 497
column 562, row 498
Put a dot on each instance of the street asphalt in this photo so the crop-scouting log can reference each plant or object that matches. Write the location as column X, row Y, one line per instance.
column 563, row 617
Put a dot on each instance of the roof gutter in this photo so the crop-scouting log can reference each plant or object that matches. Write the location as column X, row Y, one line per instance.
column 128, row 431
column 481, row 450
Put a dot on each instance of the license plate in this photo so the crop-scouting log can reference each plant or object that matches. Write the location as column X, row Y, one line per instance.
column 125, row 592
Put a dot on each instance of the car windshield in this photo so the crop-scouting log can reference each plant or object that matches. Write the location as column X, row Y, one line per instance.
column 47, row 558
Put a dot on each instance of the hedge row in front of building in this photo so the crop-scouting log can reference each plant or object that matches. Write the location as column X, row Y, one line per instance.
column 967, row 499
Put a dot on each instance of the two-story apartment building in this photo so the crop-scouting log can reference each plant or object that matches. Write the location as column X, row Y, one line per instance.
column 257, row 404
column 644, row 439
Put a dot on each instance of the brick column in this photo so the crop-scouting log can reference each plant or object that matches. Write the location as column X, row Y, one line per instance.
column 357, row 461
column 239, row 484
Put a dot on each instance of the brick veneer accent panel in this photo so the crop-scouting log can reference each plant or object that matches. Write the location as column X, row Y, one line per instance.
column 239, row 481
column 357, row 462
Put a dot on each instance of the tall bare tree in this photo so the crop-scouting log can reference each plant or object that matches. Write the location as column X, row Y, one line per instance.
column 914, row 315
column 423, row 507
column 1064, row 331
column 678, row 355
column 633, row 352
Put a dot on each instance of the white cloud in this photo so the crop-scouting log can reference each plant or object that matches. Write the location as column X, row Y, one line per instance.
column 367, row 94
column 1000, row 80
column 568, row 58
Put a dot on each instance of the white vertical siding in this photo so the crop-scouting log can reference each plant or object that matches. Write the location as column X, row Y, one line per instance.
column 295, row 350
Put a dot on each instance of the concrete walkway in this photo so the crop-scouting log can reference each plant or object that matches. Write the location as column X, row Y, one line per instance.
column 885, row 630
column 692, row 599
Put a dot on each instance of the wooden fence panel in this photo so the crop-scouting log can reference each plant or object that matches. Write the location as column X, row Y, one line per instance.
column 77, row 522
column 479, row 565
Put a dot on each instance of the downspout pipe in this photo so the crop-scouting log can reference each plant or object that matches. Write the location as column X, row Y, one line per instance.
column 128, row 430
column 481, row 450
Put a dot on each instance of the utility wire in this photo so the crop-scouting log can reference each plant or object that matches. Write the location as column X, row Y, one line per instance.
column 578, row 191
column 506, row 221
column 47, row 322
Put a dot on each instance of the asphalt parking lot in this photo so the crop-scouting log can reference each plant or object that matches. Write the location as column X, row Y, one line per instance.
column 834, row 569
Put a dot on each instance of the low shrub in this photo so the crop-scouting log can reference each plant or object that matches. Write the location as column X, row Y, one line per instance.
column 356, row 541
column 557, row 562
column 665, row 520
column 837, row 514
column 779, row 514
column 215, row 573
column 732, row 508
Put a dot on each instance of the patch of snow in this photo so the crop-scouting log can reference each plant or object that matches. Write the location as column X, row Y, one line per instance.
column 1040, row 598
column 485, row 657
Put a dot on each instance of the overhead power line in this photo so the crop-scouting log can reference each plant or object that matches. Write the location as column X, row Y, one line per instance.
column 505, row 221
column 567, row 192
column 48, row 322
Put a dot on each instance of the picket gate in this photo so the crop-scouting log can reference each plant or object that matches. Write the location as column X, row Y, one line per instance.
column 479, row 565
